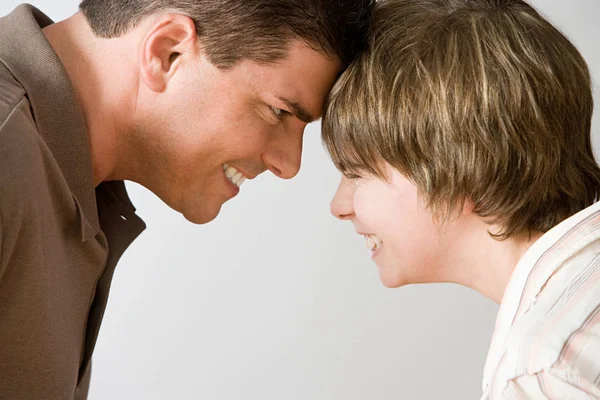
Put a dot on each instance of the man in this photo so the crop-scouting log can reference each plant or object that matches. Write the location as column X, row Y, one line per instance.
column 186, row 98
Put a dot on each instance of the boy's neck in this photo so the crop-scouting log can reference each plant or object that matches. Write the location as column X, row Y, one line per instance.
column 485, row 264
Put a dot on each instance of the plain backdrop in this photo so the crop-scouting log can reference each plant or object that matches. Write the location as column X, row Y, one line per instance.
column 276, row 299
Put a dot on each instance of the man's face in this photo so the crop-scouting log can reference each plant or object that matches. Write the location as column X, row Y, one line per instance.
column 406, row 243
column 211, row 128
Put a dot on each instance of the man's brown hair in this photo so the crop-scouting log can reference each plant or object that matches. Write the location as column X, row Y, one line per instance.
column 260, row 30
column 472, row 100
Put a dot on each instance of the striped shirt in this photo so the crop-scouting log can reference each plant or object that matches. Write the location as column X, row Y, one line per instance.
column 546, row 344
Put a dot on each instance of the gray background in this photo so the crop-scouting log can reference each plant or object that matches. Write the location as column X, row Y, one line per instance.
column 276, row 299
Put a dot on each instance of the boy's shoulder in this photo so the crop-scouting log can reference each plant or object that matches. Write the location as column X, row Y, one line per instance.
column 555, row 322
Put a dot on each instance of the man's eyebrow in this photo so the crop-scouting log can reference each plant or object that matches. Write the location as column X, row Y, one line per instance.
column 299, row 111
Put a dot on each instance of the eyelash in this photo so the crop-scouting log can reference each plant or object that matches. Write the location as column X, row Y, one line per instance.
column 279, row 113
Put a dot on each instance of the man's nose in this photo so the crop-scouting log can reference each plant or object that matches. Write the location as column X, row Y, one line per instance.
column 342, row 203
column 284, row 154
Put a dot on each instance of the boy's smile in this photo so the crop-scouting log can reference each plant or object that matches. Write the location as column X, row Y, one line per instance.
column 401, row 234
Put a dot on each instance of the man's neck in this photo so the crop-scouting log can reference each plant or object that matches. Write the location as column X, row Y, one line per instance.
column 101, row 79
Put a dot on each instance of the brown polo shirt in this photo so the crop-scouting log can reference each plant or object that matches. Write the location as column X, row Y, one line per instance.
column 60, row 238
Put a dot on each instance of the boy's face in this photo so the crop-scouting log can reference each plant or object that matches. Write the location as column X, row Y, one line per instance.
column 406, row 244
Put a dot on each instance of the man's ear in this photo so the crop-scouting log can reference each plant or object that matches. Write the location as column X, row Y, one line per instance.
column 172, row 37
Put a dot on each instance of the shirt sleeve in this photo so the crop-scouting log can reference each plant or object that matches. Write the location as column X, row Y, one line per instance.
column 553, row 384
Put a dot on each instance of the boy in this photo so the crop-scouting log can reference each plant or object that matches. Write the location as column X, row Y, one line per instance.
column 463, row 135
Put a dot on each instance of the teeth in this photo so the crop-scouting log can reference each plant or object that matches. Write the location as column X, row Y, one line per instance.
column 233, row 175
column 237, row 178
column 377, row 241
column 372, row 242
column 369, row 242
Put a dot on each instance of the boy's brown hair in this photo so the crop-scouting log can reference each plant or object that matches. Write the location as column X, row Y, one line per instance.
column 472, row 100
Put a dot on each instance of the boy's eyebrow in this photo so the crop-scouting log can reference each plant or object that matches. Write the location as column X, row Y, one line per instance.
column 299, row 112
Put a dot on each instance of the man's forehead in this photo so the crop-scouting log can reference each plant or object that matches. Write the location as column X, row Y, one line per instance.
column 301, row 80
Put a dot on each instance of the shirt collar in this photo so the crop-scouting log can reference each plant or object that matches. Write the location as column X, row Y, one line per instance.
column 30, row 58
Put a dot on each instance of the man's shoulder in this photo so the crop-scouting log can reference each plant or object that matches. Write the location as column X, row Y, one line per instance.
column 11, row 94
column 21, row 147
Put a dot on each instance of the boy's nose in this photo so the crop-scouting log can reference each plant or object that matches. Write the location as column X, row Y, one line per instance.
column 341, row 204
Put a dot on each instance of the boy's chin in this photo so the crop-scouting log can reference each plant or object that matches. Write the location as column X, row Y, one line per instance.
column 391, row 280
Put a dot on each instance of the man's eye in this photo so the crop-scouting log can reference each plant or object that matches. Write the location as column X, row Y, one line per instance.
column 279, row 113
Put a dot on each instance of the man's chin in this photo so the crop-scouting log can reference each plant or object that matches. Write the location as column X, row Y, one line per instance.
column 200, row 217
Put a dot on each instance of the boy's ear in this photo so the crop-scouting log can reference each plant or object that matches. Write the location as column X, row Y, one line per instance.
column 171, row 39
column 468, row 207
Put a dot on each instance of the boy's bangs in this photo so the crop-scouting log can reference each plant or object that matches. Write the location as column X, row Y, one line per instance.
column 351, row 128
column 351, row 155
